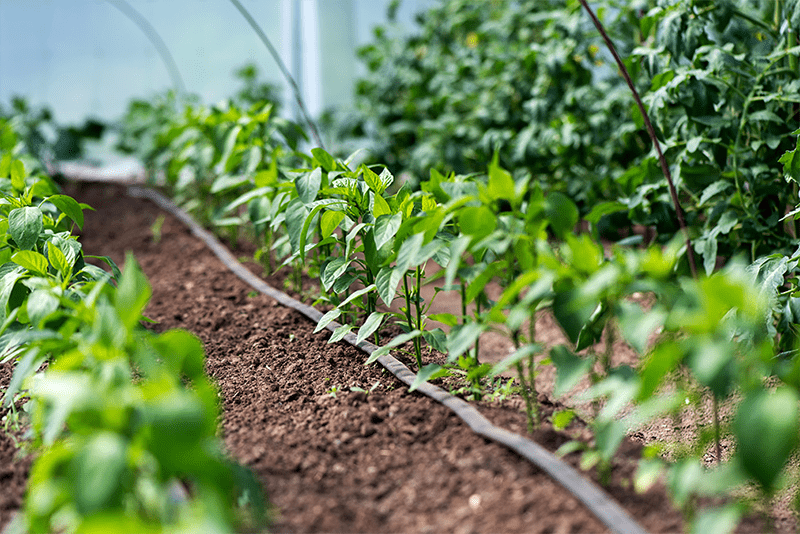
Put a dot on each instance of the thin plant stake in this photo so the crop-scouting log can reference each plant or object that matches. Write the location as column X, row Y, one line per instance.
column 274, row 53
column 662, row 160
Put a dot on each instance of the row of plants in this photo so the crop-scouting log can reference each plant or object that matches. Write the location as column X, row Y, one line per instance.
column 373, row 245
column 122, row 422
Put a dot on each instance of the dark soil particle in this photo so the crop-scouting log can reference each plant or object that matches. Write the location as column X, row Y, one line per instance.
column 378, row 459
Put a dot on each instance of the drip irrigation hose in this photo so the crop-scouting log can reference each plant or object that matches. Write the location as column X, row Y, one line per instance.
column 605, row 508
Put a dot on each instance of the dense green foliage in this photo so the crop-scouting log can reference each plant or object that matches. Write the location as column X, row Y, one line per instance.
column 124, row 422
column 372, row 245
column 525, row 79
column 725, row 95
column 514, row 129
column 43, row 138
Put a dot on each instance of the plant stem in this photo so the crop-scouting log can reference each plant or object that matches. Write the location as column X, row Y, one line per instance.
column 531, row 408
column 532, row 362
column 610, row 337
column 478, row 340
column 651, row 132
column 418, row 306
column 410, row 321
column 716, row 430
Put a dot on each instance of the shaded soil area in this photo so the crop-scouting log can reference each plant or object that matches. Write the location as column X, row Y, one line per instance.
column 331, row 459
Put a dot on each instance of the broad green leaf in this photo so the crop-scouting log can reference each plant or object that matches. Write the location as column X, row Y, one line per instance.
column 791, row 165
column 332, row 271
column 308, row 185
column 132, row 294
column 521, row 354
column 369, row 327
column 661, row 361
column 562, row 418
column 637, row 326
column 457, row 248
column 432, row 371
column 324, row 159
column 98, row 469
column 183, row 352
column 604, row 208
column 17, row 171
column 307, row 230
column 397, row 341
column 373, row 181
column 428, row 251
column 436, row 338
column 340, row 332
column 712, row 190
column 295, row 217
column 5, row 165
column 356, row 294
column 25, row 225
column 228, row 159
column 40, row 305
column 408, row 252
column 585, row 255
column 477, row 285
column 58, row 260
column 227, row 182
column 448, row 319
column 561, row 212
column 380, row 206
column 329, row 221
column 69, row 207
column 723, row 520
column 501, row 184
column 8, row 282
column 608, row 437
column 766, row 429
column 386, row 227
column 386, row 178
column 64, row 391
column 477, row 221
column 386, row 282
column 461, row 338
column 33, row 261
column 570, row 369
column 268, row 177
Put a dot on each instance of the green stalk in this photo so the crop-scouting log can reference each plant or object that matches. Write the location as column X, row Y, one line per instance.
column 531, row 409
column 407, row 296
column 532, row 367
column 651, row 132
column 478, row 340
column 610, row 337
column 717, row 439
column 463, row 302
column 418, row 305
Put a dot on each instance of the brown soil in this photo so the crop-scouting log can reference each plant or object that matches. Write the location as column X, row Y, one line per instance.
column 331, row 459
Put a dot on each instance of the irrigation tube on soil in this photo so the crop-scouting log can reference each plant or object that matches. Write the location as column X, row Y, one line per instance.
column 599, row 502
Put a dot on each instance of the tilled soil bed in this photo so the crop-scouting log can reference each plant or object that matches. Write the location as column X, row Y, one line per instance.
column 331, row 459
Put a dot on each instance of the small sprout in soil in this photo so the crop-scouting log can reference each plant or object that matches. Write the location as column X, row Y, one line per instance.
column 155, row 229
column 252, row 294
column 364, row 391
column 501, row 390
column 333, row 391
column 562, row 418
